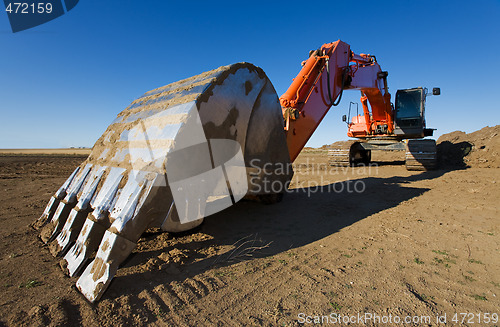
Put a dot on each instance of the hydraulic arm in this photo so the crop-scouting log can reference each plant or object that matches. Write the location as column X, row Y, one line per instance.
column 319, row 85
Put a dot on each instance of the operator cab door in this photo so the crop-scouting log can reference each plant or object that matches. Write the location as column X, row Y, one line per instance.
column 409, row 113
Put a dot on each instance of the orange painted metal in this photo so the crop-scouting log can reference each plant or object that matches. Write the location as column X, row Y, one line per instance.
column 309, row 95
column 301, row 86
column 308, row 99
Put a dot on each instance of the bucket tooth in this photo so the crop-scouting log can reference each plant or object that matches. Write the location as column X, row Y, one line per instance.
column 176, row 155
column 52, row 229
column 99, row 273
column 69, row 233
column 94, row 225
column 51, row 207
column 76, row 218
column 86, row 244
column 120, row 239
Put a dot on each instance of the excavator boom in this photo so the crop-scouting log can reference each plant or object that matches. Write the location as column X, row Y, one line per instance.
column 319, row 85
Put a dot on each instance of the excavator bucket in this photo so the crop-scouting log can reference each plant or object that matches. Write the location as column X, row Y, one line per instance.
column 176, row 155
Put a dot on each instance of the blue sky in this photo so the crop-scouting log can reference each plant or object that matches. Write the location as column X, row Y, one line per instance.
column 63, row 82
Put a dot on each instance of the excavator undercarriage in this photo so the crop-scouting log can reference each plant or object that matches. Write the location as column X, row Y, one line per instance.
column 419, row 154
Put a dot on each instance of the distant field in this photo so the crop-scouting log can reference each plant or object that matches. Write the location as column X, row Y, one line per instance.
column 69, row 151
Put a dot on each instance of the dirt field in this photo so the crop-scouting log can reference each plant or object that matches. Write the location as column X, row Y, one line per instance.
column 376, row 240
column 44, row 152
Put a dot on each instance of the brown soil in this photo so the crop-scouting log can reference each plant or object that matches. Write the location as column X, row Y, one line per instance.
column 43, row 152
column 477, row 149
column 410, row 244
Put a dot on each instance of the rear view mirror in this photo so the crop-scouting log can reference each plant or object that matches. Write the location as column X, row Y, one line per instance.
column 436, row 91
column 344, row 118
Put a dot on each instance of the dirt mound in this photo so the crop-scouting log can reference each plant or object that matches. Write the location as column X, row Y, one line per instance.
column 478, row 149
column 336, row 145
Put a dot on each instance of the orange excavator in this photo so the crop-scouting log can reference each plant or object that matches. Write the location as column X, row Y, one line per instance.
column 189, row 149
column 382, row 126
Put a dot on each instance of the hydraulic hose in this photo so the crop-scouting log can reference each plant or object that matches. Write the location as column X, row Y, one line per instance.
column 332, row 102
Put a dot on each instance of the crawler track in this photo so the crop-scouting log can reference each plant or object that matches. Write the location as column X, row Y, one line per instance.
column 421, row 155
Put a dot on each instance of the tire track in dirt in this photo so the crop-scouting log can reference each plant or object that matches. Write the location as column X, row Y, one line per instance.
column 233, row 299
column 165, row 302
column 62, row 313
column 179, row 303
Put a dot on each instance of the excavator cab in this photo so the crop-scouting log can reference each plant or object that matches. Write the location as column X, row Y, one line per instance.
column 409, row 113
